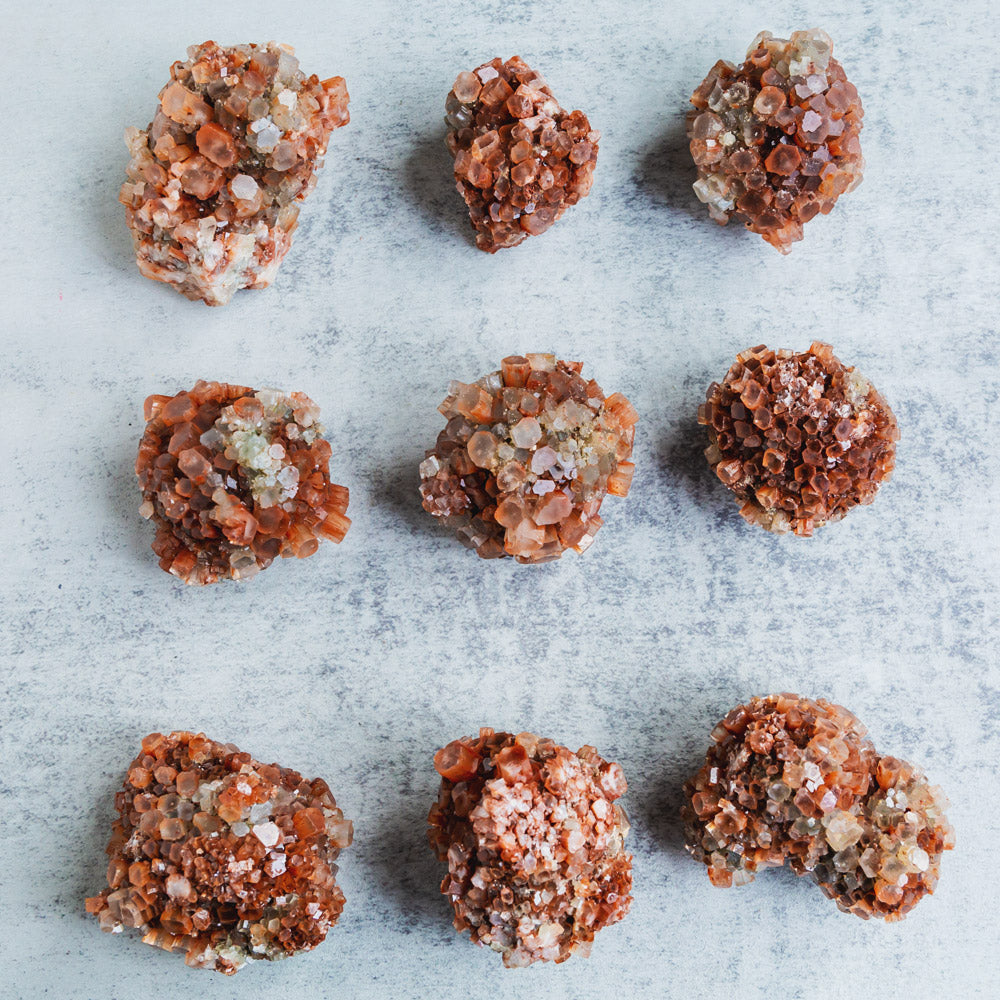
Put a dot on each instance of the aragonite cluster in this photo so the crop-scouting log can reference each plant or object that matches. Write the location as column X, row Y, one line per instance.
column 221, row 857
column 799, row 438
column 520, row 159
column 216, row 181
column 234, row 477
column 534, row 840
column 775, row 139
column 526, row 458
column 790, row 780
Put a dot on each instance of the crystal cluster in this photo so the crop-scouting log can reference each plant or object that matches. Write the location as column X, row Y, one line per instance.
column 526, row 458
column 234, row 478
column 216, row 180
column 776, row 140
column 799, row 438
column 534, row 840
column 520, row 159
column 221, row 857
column 789, row 780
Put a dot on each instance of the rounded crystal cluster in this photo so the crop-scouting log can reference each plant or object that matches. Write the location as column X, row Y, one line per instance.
column 520, row 159
column 526, row 458
column 775, row 139
column 216, row 180
column 534, row 840
column 234, row 477
column 799, row 438
column 790, row 780
column 221, row 857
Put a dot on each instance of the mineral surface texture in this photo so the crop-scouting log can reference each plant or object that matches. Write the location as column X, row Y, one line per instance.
column 216, row 181
column 534, row 840
column 520, row 159
column 221, row 857
column 789, row 780
column 526, row 458
column 233, row 478
column 775, row 140
column 799, row 438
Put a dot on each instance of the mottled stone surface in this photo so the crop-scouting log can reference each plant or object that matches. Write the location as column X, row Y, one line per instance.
column 534, row 839
column 216, row 180
column 356, row 664
column 776, row 139
column 520, row 159
column 221, row 857
column 790, row 780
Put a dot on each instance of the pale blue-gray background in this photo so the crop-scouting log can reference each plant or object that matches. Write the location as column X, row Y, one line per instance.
column 358, row 663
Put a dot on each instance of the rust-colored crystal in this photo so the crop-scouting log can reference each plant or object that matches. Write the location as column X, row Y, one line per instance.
column 799, row 438
column 221, row 857
column 534, row 840
column 233, row 478
column 520, row 159
column 790, row 780
column 526, row 458
column 775, row 139
column 216, row 180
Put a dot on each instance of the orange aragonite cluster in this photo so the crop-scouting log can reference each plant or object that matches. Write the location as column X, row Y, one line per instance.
column 526, row 458
column 534, row 840
column 799, row 438
column 790, row 780
column 221, row 857
column 216, row 180
column 520, row 159
column 233, row 478
column 775, row 139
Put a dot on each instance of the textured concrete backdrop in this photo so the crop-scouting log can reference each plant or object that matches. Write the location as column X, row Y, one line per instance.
column 358, row 663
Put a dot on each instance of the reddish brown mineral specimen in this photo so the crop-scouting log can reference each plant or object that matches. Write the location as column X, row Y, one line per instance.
column 233, row 478
column 520, row 159
column 796, row 781
column 799, row 438
column 775, row 140
column 534, row 841
column 216, row 180
column 221, row 857
column 527, row 457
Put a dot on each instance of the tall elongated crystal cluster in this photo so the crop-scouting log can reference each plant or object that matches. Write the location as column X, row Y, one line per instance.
column 526, row 458
column 221, row 857
column 216, row 180
column 534, row 840
column 791, row 780
column 775, row 139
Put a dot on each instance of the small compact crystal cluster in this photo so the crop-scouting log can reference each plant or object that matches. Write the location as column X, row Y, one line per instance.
column 799, row 438
column 233, row 478
column 216, row 180
column 526, row 458
column 520, row 159
column 221, row 857
column 534, row 840
column 776, row 140
column 790, row 780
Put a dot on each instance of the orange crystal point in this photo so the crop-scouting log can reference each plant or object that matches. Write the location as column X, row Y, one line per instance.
column 216, row 179
column 534, row 840
column 520, row 159
column 234, row 478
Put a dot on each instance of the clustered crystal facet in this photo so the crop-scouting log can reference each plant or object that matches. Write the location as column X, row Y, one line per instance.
column 534, row 840
column 790, row 780
column 776, row 140
column 526, row 458
column 233, row 478
column 221, row 857
column 520, row 159
column 216, row 181
column 799, row 438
